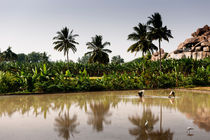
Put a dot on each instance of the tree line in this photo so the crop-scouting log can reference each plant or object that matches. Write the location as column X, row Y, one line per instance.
column 65, row 40
column 33, row 57
column 143, row 35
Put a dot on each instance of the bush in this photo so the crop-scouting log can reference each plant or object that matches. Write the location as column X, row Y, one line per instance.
column 200, row 77
column 8, row 83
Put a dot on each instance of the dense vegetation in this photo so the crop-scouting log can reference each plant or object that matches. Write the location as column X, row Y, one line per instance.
column 35, row 73
column 57, row 77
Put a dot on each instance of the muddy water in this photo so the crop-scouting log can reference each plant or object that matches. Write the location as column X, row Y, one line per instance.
column 119, row 115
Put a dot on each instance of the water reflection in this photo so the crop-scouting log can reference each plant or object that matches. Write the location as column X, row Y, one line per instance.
column 97, row 110
column 66, row 126
column 202, row 118
column 98, row 115
column 143, row 124
column 197, row 109
column 161, row 135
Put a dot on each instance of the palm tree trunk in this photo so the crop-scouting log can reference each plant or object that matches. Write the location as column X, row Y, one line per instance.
column 67, row 54
column 143, row 60
column 160, row 54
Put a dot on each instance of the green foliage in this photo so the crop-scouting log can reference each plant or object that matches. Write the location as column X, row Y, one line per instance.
column 34, row 57
column 84, row 59
column 57, row 77
column 98, row 53
column 64, row 41
column 143, row 41
column 157, row 31
column 200, row 77
column 117, row 60
column 8, row 82
column 21, row 57
column 8, row 55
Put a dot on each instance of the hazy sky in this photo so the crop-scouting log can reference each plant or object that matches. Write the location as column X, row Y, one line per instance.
column 30, row 25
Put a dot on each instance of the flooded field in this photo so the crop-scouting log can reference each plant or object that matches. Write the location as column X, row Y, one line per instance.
column 115, row 115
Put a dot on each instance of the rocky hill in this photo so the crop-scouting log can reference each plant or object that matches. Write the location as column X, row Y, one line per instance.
column 196, row 47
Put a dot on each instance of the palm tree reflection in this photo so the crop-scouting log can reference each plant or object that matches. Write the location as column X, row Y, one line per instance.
column 66, row 126
column 98, row 115
column 146, row 132
column 161, row 135
column 141, row 131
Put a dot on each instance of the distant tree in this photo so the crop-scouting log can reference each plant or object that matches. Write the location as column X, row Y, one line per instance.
column 8, row 55
column 84, row 59
column 64, row 41
column 98, row 53
column 44, row 57
column 157, row 31
column 22, row 57
column 34, row 57
column 117, row 60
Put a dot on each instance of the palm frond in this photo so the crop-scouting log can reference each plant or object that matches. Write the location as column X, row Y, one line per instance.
column 133, row 36
column 65, row 40
column 105, row 44
column 106, row 50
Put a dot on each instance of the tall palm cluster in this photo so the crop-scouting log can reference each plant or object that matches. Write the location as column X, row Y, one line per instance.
column 145, row 34
column 65, row 40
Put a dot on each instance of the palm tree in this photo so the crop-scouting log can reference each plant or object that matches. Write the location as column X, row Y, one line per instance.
column 64, row 41
column 98, row 53
column 143, row 42
column 157, row 31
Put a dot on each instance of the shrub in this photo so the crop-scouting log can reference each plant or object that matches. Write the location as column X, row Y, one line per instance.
column 8, row 83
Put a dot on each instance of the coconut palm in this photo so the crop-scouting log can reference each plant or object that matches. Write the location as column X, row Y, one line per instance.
column 143, row 42
column 64, row 41
column 98, row 53
column 157, row 31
